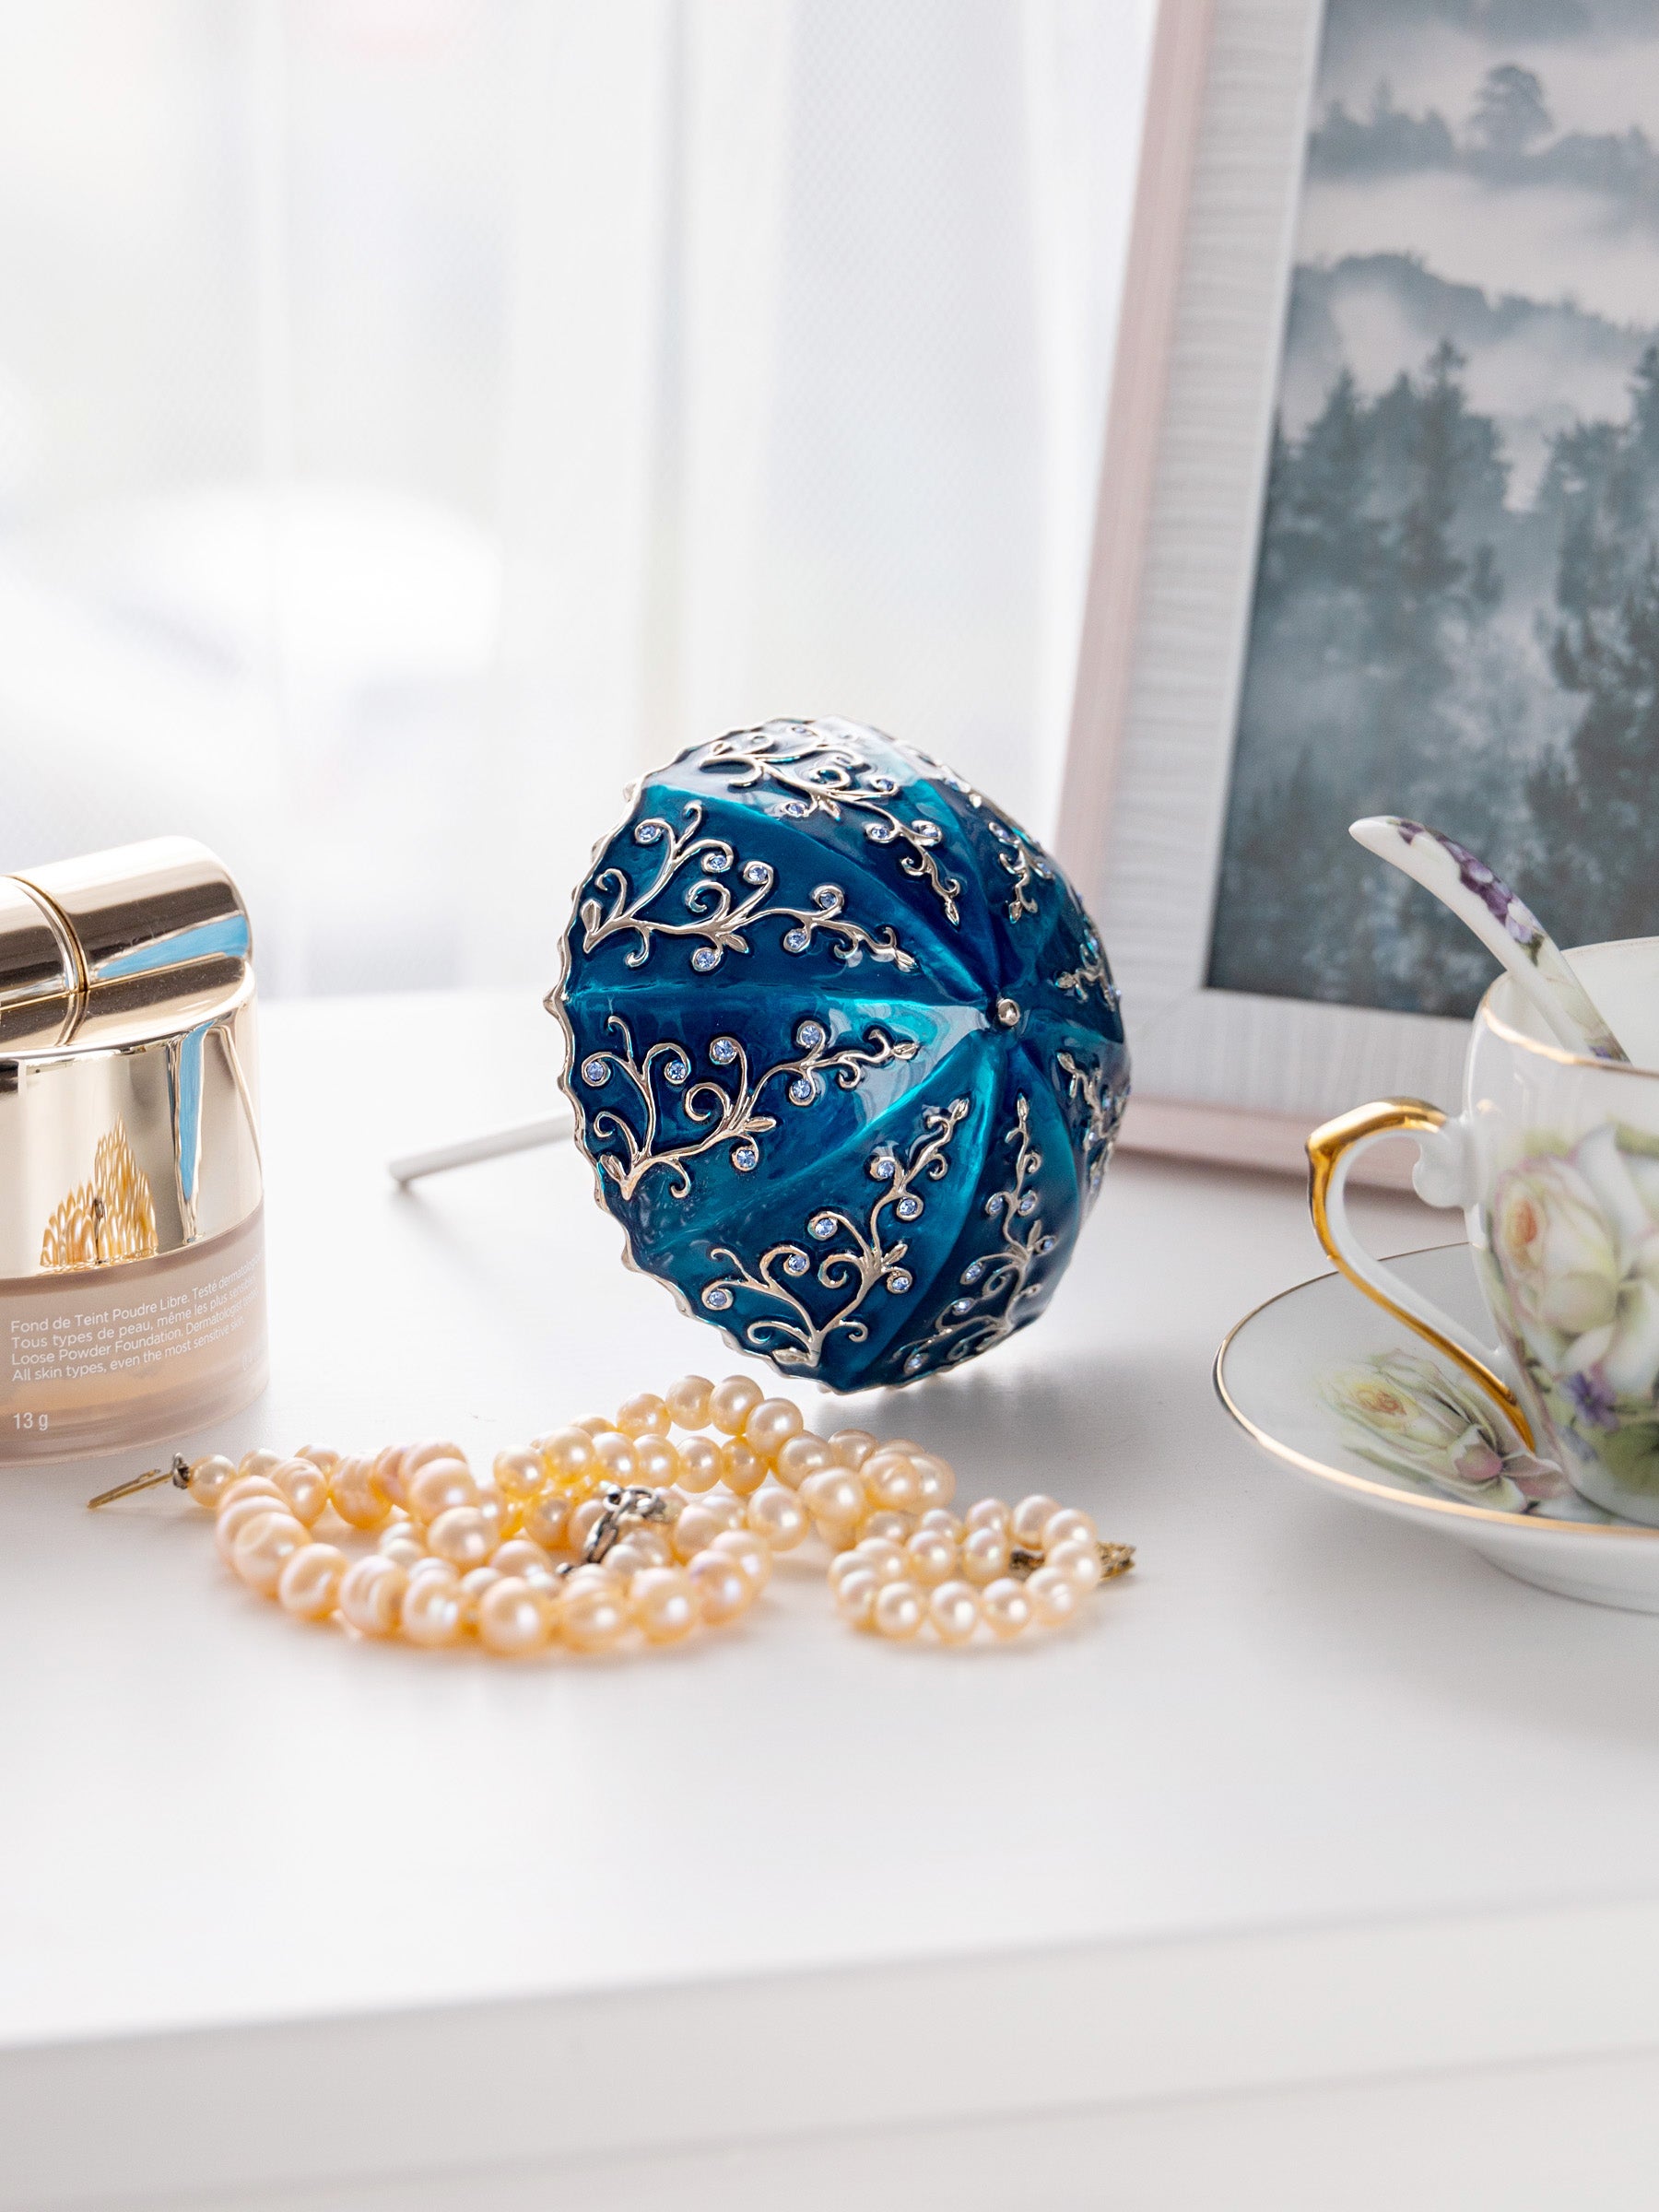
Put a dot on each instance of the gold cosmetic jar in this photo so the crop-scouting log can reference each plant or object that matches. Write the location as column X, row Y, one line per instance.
column 131, row 1225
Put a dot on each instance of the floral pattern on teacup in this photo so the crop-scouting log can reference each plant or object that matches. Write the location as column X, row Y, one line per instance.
column 1417, row 1418
column 1573, row 1237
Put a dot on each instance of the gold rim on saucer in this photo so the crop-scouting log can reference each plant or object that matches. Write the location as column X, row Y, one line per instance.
column 1382, row 1489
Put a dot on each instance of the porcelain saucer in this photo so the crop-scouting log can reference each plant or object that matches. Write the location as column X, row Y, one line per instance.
column 1337, row 1389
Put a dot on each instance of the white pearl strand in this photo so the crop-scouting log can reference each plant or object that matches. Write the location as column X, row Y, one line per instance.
column 611, row 1532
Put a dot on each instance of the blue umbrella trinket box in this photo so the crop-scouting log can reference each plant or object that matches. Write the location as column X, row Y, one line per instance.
column 846, row 1053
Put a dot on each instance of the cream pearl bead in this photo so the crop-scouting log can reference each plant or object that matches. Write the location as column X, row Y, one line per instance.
column 742, row 1469
column 1026, row 1522
column 462, row 1536
column 687, row 1400
column 835, row 1499
column 628, row 1558
column 777, row 1517
column 235, row 1517
column 988, row 1512
column 372, row 1593
column 942, row 1523
column 475, row 1586
column 933, row 1557
column 750, row 1554
column 568, row 1453
column 936, row 1480
column 545, row 1519
column 417, row 1456
column 354, row 1497
column 889, row 1562
column 801, row 1456
column 731, row 1512
column 855, row 1593
column 324, row 1457
column 694, row 1531
column 210, row 1478
column 259, row 1463
column 385, row 1471
column 846, row 1563
column 583, row 1519
column 596, row 1425
column 954, row 1610
column 899, row 1610
column 723, row 1591
column 431, row 1613
column 984, row 1555
column 250, row 1486
column 851, row 1447
column 593, row 1613
column 521, row 1555
column 615, row 1453
column 658, row 1461
column 515, row 1618
column 890, row 1479
column 1078, row 1561
column 304, row 1486
column 519, row 1475
column 401, row 1544
column 308, row 1585
column 732, row 1402
column 263, row 1547
column 436, row 1487
column 1054, row 1598
column 700, row 1464
column 646, row 1415
column 1069, row 1525
column 663, row 1603
column 896, row 1527
column 501, row 1518
column 1006, row 1606
column 768, row 1426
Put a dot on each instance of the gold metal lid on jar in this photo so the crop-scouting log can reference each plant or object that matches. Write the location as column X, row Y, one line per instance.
column 127, row 1058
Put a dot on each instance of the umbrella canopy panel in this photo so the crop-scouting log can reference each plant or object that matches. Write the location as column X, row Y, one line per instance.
column 846, row 1057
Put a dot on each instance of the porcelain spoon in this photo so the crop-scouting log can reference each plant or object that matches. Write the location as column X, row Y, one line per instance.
column 1505, row 925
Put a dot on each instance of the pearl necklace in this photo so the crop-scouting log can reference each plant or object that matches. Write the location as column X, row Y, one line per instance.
column 612, row 1531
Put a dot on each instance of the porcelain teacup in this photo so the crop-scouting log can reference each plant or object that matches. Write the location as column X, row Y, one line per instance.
column 1554, row 1162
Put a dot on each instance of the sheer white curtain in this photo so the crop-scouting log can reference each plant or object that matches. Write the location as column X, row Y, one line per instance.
column 417, row 416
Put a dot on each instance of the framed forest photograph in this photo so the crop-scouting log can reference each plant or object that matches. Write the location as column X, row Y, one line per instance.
column 1397, row 550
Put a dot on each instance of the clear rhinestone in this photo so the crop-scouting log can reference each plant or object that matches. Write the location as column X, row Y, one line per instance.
column 961, row 1305
column 898, row 1281
column 878, row 833
column 746, row 1156
column 924, row 831
column 705, row 958
column 756, row 871
column 794, row 1260
column 1045, row 1245
column 884, row 1167
column 717, row 1298
column 795, row 940
column 809, row 1035
column 723, row 1051
column 1003, row 835
column 994, row 1204
column 647, row 833
column 803, row 1090
column 1027, row 1204
column 793, row 811
column 717, row 862
column 915, row 1360
column 974, row 1269
column 595, row 1071
column 822, row 1225
column 908, row 1208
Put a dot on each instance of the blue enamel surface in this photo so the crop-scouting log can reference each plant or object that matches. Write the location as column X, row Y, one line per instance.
column 847, row 1058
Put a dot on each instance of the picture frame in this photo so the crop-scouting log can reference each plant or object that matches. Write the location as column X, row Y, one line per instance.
column 1226, row 1073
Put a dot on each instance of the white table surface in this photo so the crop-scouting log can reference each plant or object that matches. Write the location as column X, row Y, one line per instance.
column 1317, row 1869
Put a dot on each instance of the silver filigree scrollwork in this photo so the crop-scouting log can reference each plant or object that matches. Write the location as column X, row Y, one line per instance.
column 718, row 918
column 867, row 1257
column 724, row 1109
column 997, row 1283
column 1090, row 974
column 1102, row 1104
column 1020, row 862
column 820, row 774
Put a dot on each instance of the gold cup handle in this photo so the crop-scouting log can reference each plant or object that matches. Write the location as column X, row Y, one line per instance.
column 1333, row 1150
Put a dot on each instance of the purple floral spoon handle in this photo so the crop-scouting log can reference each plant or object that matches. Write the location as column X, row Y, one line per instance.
column 1505, row 925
